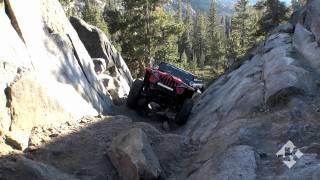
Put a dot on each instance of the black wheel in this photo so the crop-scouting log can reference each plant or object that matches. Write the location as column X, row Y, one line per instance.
column 134, row 94
column 183, row 114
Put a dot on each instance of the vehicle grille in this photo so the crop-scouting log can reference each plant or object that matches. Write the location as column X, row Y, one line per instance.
column 168, row 81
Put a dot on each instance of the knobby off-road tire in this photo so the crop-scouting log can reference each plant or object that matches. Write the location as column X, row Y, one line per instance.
column 134, row 94
column 182, row 116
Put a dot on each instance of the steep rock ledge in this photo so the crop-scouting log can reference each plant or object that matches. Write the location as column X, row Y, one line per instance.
column 109, row 65
column 245, row 117
column 59, row 84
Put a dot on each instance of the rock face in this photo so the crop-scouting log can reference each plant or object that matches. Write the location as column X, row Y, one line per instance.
column 45, row 69
column 237, row 163
column 247, row 115
column 308, row 16
column 140, row 151
column 116, row 72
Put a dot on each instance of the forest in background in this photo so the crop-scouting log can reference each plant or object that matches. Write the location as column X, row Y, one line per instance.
column 204, row 43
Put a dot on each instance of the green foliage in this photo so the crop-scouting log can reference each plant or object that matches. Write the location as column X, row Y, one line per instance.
column 185, row 40
column 215, row 39
column 231, row 53
column 69, row 10
column 93, row 15
column 166, row 43
column 64, row 2
column 243, row 29
column 274, row 12
column 199, row 39
column 212, row 17
column 145, row 33
column 240, row 27
column 202, row 42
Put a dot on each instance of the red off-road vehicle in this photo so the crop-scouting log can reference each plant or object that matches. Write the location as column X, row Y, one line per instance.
column 170, row 87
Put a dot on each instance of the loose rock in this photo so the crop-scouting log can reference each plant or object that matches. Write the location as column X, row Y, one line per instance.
column 133, row 156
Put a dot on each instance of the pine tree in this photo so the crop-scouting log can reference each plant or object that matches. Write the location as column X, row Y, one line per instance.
column 214, row 40
column 93, row 15
column 199, row 39
column 111, row 4
column 146, row 33
column 185, row 41
column 242, row 28
column 136, row 33
column 231, row 53
column 240, row 23
column 166, row 42
column 193, row 63
column 274, row 12
column 212, row 19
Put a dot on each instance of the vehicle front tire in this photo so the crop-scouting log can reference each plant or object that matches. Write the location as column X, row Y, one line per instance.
column 134, row 94
column 182, row 116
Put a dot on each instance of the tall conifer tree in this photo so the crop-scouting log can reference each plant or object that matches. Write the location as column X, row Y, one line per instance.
column 274, row 12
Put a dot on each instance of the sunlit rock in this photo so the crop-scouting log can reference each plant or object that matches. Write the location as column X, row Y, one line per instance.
column 60, row 83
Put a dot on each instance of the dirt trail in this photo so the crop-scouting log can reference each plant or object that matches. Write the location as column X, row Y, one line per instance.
column 78, row 148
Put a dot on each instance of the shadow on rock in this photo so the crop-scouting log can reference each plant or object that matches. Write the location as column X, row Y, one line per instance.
column 79, row 150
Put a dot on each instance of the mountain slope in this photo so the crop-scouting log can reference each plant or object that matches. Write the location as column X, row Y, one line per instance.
column 223, row 6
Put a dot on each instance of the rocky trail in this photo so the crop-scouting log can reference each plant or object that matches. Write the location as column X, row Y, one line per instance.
column 79, row 149
column 63, row 114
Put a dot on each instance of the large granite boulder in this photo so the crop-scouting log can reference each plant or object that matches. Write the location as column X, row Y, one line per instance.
column 284, row 28
column 284, row 78
column 244, row 118
column 99, row 46
column 132, row 155
column 238, row 162
column 308, row 48
column 309, row 17
column 45, row 69
column 283, row 75
column 141, row 151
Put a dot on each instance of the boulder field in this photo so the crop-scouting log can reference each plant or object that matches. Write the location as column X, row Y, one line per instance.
column 47, row 74
column 60, row 82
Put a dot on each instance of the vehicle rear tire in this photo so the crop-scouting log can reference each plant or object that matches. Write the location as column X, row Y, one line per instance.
column 182, row 116
column 134, row 94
